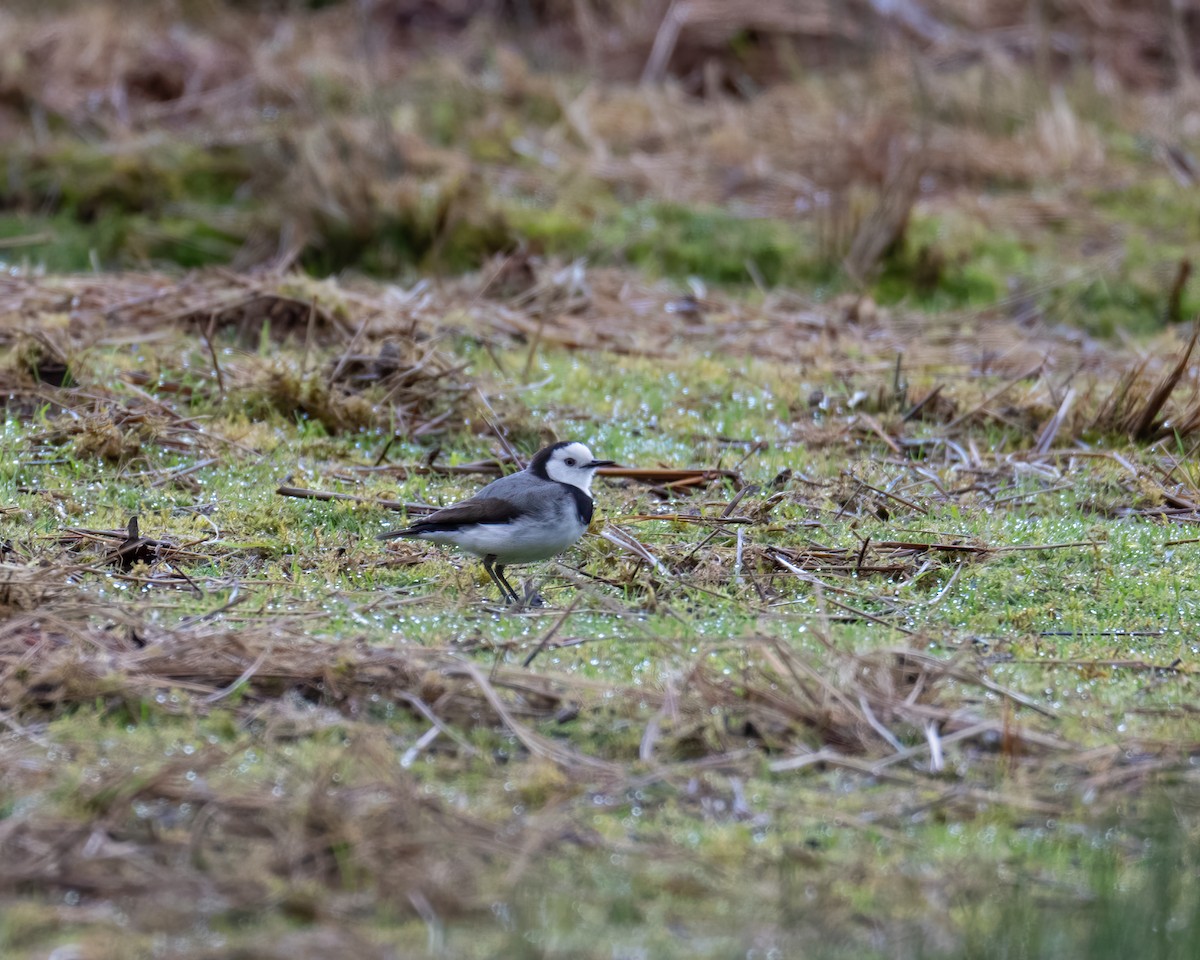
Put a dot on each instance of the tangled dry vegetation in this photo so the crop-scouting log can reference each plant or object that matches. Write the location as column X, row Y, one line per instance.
column 360, row 831
column 364, row 356
column 387, row 375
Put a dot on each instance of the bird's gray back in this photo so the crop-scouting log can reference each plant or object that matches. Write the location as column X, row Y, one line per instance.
column 523, row 489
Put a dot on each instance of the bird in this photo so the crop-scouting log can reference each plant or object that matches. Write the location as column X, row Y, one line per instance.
column 530, row 515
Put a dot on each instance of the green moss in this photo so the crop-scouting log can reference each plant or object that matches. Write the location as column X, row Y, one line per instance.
column 1148, row 909
column 675, row 241
column 1103, row 305
column 950, row 263
column 447, row 108
column 56, row 243
column 1155, row 203
column 445, row 235
column 120, row 207
column 181, row 240
column 678, row 241
column 92, row 183
column 558, row 229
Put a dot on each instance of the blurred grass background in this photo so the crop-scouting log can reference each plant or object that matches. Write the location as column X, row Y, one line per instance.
column 940, row 155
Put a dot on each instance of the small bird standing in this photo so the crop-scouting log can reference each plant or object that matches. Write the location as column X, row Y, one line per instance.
column 526, row 516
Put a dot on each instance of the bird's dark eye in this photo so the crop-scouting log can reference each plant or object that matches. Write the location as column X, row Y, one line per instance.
column 570, row 461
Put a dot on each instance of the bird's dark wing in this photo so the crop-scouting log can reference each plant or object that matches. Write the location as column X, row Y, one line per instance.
column 476, row 510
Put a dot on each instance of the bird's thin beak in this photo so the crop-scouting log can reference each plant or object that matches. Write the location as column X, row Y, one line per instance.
column 601, row 463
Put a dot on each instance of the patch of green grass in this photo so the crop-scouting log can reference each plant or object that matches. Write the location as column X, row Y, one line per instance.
column 57, row 243
column 1154, row 203
column 1149, row 910
column 1156, row 224
column 675, row 241
column 698, row 850
column 161, row 203
column 952, row 262
column 712, row 244
column 1105, row 305
column 93, row 183
column 443, row 233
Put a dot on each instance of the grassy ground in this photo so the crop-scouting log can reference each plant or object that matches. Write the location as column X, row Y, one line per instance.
column 902, row 699
column 902, row 664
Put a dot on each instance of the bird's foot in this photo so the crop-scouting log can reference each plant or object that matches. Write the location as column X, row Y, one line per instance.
column 531, row 596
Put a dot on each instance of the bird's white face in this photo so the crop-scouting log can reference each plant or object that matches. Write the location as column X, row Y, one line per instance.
column 573, row 464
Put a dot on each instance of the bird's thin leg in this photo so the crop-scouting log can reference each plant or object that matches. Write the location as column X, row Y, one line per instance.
column 516, row 598
column 497, row 575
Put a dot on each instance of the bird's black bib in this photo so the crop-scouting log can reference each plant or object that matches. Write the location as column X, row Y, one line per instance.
column 584, row 505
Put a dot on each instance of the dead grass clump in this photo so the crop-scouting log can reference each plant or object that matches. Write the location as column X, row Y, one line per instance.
column 388, row 835
column 411, row 377
column 94, row 421
column 310, row 395
column 1135, row 405
column 38, row 354
column 110, row 438
column 27, row 586
column 322, row 842
column 93, row 65
column 884, row 227
column 98, row 428
column 354, row 193
column 72, row 667
column 392, row 390
column 258, row 313
column 885, row 707
column 779, row 699
column 711, row 46
column 358, row 357
column 385, row 372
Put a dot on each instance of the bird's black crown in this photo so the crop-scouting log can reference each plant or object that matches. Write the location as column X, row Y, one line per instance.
column 537, row 466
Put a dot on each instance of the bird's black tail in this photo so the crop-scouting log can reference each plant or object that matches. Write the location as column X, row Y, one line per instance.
column 393, row 534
